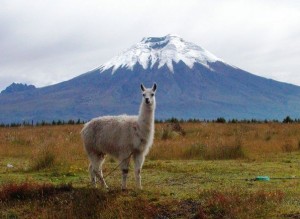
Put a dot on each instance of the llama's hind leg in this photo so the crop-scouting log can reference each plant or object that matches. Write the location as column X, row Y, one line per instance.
column 96, row 168
column 138, row 163
column 92, row 175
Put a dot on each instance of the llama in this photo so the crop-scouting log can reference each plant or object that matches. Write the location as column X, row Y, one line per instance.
column 122, row 137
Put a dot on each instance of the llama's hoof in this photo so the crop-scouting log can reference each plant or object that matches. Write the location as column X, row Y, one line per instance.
column 139, row 186
column 107, row 189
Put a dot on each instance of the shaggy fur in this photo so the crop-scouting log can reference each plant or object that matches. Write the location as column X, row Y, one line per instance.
column 121, row 136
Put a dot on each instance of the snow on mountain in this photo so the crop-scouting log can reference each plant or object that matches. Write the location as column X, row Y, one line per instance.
column 162, row 50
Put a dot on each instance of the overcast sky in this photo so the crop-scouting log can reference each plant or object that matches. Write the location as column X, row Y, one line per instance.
column 46, row 42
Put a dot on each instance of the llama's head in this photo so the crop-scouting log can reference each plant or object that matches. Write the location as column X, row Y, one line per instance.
column 149, row 94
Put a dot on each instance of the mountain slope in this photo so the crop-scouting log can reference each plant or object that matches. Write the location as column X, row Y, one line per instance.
column 192, row 83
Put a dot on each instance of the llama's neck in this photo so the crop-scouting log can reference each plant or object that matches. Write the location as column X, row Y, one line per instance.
column 146, row 116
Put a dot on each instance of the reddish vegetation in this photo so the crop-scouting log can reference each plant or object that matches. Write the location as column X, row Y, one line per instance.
column 27, row 190
column 94, row 202
column 238, row 204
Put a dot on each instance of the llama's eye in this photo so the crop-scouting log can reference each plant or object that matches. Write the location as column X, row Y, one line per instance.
column 152, row 95
column 144, row 95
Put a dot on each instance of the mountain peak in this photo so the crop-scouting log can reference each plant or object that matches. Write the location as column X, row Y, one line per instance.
column 154, row 41
column 162, row 51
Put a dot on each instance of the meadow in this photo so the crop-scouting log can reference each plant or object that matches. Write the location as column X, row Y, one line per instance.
column 194, row 170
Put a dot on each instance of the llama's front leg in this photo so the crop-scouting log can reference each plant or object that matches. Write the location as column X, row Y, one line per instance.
column 138, row 163
column 125, row 169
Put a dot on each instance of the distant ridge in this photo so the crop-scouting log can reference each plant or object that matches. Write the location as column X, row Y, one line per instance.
column 17, row 87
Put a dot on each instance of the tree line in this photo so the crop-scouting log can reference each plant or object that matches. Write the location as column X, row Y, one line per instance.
column 43, row 123
column 287, row 119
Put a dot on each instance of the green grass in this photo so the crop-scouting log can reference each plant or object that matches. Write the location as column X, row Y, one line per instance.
column 172, row 189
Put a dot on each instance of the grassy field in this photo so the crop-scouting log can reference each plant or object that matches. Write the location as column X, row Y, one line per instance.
column 194, row 170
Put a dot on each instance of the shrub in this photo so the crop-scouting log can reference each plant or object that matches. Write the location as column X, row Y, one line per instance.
column 229, row 150
column 195, row 151
column 287, row 147
column 44, row 159
column 288, row 119
column 221, row 120
column 174, row 128
column 224, row 152
column 167, row 134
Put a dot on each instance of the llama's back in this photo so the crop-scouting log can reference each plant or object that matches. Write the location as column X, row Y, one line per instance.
column 109, row 134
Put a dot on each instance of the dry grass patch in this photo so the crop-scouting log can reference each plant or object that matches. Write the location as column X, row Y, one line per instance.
column 239, row 204
column 172, row 141
column 225, row 141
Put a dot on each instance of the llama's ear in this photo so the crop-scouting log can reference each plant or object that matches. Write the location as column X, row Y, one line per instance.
column 142, row 87
column 154, row 87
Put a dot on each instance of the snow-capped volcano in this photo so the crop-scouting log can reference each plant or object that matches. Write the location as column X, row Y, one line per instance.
column 162, row 51
column 192, row 83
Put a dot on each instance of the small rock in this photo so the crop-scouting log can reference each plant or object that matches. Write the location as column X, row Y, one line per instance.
column 9, row 165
